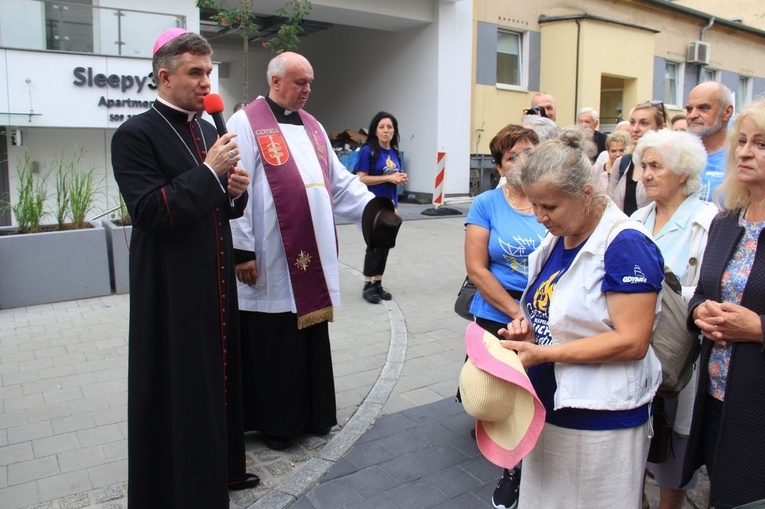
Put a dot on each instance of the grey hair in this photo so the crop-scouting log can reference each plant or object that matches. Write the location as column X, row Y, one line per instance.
column 169, row 56
column 682, row 152
column 724, row 96
column 545, row 128
column 591, row 111
column 563, row 163
column 276, row 67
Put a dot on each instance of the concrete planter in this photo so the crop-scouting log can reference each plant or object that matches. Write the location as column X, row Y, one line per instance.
column 118, row 244
column 38, row 268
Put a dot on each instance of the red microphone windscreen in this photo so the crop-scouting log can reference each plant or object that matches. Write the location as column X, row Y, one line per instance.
column 213, row 104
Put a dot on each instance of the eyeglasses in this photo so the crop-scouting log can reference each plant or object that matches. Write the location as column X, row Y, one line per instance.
column 517, row 156
column 657, row 105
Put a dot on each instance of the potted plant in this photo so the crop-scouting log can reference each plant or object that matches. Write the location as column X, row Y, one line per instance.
column 44, row 263
column 118, row 231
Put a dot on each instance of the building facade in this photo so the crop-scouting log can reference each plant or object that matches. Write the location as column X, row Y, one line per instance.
column 73, row 72
column 453, row 71
column 608, row 55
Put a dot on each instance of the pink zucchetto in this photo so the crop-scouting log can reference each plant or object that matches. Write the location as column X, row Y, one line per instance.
column 167, row 36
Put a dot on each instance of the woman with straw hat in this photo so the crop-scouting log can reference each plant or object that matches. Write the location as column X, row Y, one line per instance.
column 585, row 335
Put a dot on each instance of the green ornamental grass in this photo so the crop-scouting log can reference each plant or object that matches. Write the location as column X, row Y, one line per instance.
column 29, row 209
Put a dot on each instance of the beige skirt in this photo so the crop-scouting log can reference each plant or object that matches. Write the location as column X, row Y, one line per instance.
column 577, row 469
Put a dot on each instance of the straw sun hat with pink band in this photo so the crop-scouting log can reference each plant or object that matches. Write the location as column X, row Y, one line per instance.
column 496, row 391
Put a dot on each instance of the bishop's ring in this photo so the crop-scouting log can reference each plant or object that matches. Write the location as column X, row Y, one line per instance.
column 231, row 153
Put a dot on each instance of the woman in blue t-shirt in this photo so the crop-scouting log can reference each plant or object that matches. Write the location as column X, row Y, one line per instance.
column 501, row 232
column 585, row 333
column 379, row 167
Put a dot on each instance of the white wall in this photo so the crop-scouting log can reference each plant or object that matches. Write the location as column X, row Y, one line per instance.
column 455, row 57
column 359, row 72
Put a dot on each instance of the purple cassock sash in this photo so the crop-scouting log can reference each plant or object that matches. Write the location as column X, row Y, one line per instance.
column 293, row 212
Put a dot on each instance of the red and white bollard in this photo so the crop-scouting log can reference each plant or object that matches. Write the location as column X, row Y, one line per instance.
column 438, row 193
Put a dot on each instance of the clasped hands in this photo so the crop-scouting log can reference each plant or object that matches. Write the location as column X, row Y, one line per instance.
column 223, row 157
column 399, row 178
column 724, row 322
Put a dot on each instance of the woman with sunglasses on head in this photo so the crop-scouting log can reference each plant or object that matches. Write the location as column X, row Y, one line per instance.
column 625, row 187
column 379, row 167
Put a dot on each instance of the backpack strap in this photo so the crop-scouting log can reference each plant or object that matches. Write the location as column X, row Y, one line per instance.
column 626, row 162
column 618, row 227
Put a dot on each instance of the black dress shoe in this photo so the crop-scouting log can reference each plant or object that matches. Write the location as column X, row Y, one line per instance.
column 319, row 432
column 370, row 294
column 383, row 293
column 275, row 443
column 250, row 481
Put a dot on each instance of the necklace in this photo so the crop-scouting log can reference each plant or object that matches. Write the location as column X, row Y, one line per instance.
column 512, row 202
column 204, row 142
column 752, row 215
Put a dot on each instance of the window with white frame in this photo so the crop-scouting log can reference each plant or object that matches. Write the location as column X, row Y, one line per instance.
column 710, row 74
column 673, row 85
column 744, row 92
column 510, row 59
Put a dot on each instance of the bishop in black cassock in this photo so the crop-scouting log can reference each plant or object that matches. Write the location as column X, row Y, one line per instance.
column 185, row 434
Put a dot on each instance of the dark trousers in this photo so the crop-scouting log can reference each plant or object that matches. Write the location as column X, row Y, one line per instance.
column 710, row 431
column 374, row 261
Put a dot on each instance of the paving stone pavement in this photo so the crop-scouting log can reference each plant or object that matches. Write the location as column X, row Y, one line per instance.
column 402, row 440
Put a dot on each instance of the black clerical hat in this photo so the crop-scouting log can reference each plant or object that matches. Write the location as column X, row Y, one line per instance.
column 380, row 223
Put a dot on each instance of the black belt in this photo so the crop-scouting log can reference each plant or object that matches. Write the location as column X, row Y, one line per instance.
column 515, row 294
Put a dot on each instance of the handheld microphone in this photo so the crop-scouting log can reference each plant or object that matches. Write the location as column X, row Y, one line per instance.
column 214, row 108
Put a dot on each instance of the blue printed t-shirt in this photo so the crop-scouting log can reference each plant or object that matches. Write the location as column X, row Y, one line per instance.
column 633, row 264
column 713, row 175
column 386, row 162
column 513, row 236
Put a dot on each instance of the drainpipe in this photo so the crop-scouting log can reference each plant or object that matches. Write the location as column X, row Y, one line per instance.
column 576, row 80
column 702, row 37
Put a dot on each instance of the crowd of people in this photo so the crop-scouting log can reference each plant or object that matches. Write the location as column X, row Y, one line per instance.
column 567, row 254
column 683, row 194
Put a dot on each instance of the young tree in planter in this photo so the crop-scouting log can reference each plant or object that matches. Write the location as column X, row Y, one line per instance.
column 242, row 18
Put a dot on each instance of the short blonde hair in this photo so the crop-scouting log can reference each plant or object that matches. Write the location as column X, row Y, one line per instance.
column 620, row 136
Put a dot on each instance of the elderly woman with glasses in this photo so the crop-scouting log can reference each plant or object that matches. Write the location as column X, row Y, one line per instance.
column 678, row 220
column 618, row 143
column 625, row 188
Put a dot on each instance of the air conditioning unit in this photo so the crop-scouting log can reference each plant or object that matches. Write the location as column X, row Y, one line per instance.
column 698, row 53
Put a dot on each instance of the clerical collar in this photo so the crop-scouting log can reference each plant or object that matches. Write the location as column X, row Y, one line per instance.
column 190, row 115
column 284, row 116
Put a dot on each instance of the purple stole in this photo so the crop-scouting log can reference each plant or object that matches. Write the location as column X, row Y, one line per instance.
column 293, row 212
